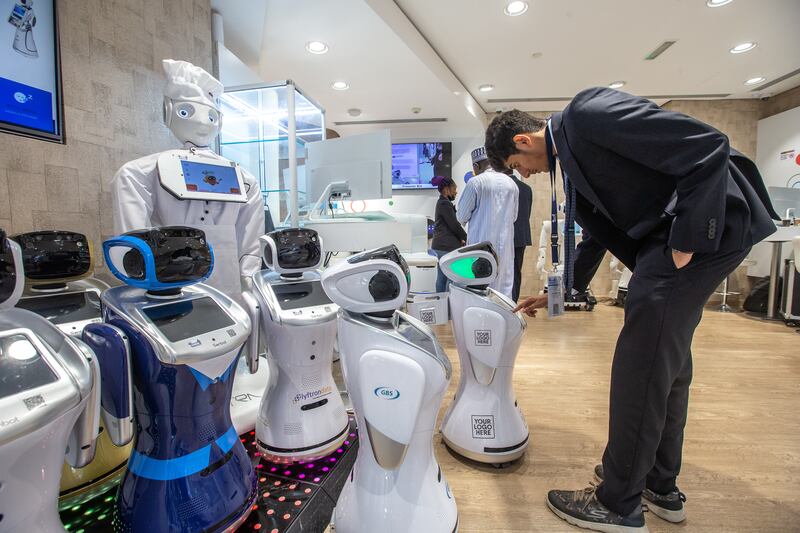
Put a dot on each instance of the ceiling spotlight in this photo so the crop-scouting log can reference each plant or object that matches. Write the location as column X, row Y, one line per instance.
column 340, row 85
column 755, row 81
column 316, row 47
column 354, row 112
column 717, row 3
column 537, row 55
column 742, row 48
column 486, row 88
column 457, row 93
column 616, row 84
column 516, row 8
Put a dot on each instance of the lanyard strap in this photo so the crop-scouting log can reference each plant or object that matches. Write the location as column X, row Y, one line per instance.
column 551, row 159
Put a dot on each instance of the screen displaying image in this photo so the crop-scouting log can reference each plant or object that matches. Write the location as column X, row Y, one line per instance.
column 202, row 177
column 30, row 91
column 415, row 164
column 303, row 294
column 189, row 318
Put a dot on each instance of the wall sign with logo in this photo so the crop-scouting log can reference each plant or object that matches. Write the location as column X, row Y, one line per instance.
column 30, row 71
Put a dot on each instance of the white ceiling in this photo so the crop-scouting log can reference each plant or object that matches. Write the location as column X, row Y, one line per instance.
column 416, row 53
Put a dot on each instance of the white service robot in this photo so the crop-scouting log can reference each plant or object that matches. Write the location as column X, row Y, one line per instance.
column 484, row 422
column 49, row 406
column 196, row 187
column 396, row 373
column 302, row 416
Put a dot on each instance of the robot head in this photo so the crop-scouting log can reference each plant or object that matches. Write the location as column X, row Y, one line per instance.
column 374, row 282
column 12, row 280
column 191, row 103
column 472, row 266
column 160, row 259
column 55, row 256
column 292, row 250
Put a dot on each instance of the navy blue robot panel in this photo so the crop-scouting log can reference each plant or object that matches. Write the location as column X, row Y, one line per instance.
column 110, row 347
column 188, row 470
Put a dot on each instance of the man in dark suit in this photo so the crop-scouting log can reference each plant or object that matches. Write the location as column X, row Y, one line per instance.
column 667, row 195
column 522, row 231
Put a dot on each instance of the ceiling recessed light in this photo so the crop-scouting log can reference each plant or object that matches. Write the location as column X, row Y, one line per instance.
column 717, row 3
column 486, row 88
column 316, row 47
column 516, row 8
column 354, row 112
column 537, row 55
column 616, row 84
column 755, row 81
column 340, row 85
column 457, row 93
column 742, row 48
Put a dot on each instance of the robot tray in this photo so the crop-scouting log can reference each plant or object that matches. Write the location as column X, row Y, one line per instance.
column 296, row 498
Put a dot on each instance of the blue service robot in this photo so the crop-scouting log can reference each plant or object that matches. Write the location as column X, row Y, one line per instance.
column 168, row 350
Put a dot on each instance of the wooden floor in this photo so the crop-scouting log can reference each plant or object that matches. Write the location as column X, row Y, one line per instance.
column 742, row 452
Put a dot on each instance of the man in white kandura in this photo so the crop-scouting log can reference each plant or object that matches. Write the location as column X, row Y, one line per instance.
column 488, row 206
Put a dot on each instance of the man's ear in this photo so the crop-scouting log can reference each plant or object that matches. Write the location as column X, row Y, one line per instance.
column 522, row 138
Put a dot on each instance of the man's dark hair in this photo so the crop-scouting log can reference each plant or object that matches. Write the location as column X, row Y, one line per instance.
column 500, row 135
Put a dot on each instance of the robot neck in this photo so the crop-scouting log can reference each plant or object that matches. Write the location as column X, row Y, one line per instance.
column 383, row 317
column 188, row 145
column 165, row 294
column 292, row 277
column 49, row 287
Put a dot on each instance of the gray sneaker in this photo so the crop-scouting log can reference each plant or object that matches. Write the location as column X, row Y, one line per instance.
column 582, row 508
column 668, row 507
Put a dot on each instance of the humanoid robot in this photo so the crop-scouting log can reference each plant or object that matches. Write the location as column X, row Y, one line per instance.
column 49, row 403
column 173, row 343
column 396, row 373
column 484, row 422
column 24, row 19
column 302, row 416
column 58, row 287
column 196, row 187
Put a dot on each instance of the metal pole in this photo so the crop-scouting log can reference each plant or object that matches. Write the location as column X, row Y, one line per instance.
column 774, row 274
column 293, row 213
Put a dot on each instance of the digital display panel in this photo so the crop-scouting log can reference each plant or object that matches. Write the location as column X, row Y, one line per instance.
column 414, row 165
column 30, row 78
column 188, row 318
column 22, row 367
column 64, row 308
column 202, row 177
column 303, row 294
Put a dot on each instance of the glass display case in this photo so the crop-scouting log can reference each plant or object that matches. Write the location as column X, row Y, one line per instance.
column 265, row 128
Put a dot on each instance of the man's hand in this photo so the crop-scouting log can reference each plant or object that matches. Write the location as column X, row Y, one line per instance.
column 530, row 304
column 681, row 259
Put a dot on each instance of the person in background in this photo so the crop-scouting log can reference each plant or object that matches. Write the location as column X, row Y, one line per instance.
column 589, row 255
column 489, row 206
column 447, row 232
column 522, row 231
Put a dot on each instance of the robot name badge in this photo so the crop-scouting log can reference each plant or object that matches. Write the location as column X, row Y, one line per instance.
column 482, row 426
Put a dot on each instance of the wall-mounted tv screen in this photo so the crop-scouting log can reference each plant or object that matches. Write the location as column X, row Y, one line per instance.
column 415, row 164
column 30, row 74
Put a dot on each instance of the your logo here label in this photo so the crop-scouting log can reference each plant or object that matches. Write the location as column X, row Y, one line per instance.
column 482, row 426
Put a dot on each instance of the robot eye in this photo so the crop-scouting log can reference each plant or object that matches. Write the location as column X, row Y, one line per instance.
column 184, row 110
column 213, row 116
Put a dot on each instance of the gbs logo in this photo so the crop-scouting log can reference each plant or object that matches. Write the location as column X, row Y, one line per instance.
column 386, row 393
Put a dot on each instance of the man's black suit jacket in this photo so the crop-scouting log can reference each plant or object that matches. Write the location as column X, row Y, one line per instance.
column 637, row 167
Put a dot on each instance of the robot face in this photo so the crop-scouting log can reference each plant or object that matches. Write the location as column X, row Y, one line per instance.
column 471, row 266
column 160, row 258
column 292, row 250
column 12, row 281
column 55, row 256
column 192, row 122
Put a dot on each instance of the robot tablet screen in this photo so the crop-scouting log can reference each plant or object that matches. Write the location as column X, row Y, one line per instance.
column 303, row 294
column 181, row 320
column 64, row 308
column 202, row 177
column 22, row 367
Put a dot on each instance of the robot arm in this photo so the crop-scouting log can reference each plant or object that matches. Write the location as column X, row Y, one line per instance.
column 133, row 198
column 83, row 437
column 254, row 312
column 110, row 344
column 250, row 226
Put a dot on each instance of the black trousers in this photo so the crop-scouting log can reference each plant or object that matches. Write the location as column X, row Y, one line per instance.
column 588, row 255
column 519, row 255
column 652, row 370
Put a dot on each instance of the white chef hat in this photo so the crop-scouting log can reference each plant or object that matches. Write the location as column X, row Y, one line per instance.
column 190, row 83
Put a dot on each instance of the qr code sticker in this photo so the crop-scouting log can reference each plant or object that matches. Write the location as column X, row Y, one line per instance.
column 427, row 316
column 33, row 402
column 483, row 337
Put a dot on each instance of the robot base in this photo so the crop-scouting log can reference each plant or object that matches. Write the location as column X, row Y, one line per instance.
column 306, row 454
column 500, row 458
column 291, row 499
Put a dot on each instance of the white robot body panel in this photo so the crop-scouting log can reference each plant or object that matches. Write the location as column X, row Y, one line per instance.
column 301, row 416
column 484, row 422
column 412, row 495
